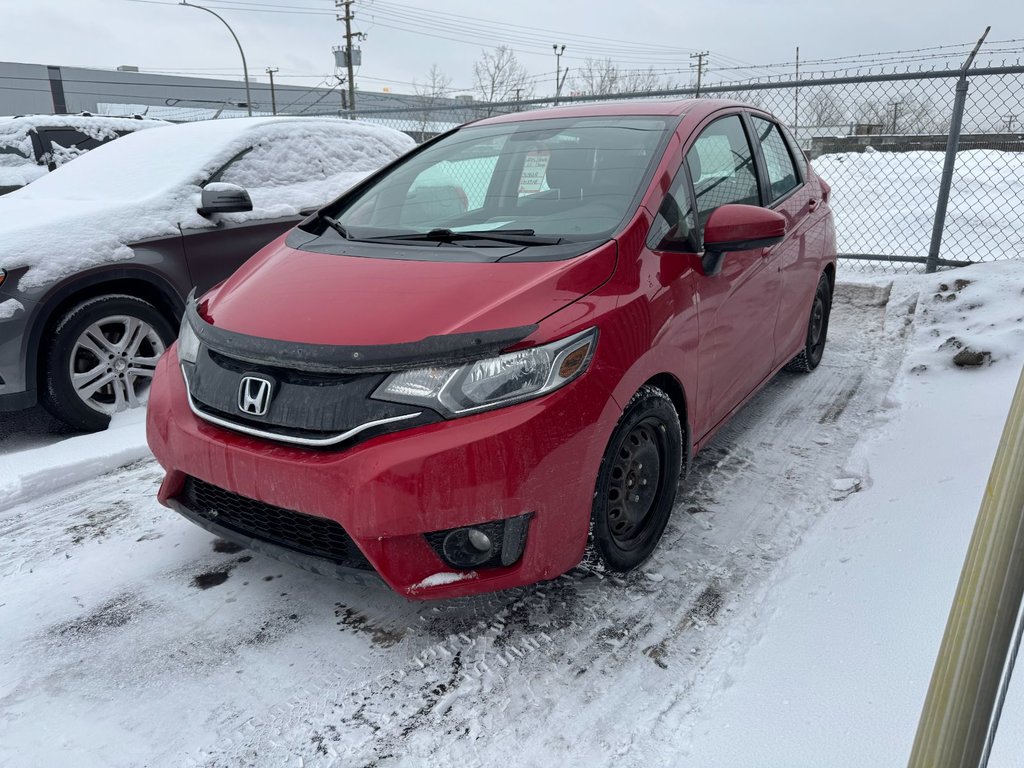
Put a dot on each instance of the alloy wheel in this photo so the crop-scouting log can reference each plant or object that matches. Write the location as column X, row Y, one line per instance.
column 113, row 361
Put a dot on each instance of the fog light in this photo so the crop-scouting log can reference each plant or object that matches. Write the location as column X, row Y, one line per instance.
column 467, row 547
column 479, row 540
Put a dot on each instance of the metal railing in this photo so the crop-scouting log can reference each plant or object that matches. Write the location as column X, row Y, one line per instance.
column 975, row 661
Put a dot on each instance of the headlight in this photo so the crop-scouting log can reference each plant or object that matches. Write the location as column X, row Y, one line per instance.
column 188, row 343
column 494, row 382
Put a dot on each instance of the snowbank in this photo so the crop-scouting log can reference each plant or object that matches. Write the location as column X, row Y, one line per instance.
column 884, row 202
column 847, row 634
column 149, row 184
column 27, row 474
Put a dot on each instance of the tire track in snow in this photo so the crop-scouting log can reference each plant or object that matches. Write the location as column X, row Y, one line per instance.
column 543, row 669
column 750, row 496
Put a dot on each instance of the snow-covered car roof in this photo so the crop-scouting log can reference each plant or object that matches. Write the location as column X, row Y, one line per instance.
column 149, row 184
column 18, row 163
column 14, row 131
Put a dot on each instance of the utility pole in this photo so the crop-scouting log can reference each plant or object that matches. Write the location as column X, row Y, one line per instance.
column 558, row 70
column 350, row 53
column 895, row 115
column 273, row 96
column 700, row 67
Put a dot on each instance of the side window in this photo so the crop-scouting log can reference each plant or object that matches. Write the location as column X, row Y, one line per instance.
column 675, row 226
column 66, row 144
column 722, row 167
column 782, row 175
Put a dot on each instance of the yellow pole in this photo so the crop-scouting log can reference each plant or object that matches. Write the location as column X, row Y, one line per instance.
column 966, row 681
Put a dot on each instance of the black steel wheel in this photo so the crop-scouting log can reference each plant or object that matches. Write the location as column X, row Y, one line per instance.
column 817, row 330
column 636, row 486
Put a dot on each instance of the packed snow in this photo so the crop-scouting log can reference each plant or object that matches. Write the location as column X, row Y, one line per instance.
column 149, row 184
column 793, row 610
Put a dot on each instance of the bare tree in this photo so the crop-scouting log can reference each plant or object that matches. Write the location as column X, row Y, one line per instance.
column 597, row 77
column 437, row 86
column 602, row 77
column 876, row 112
column 920, row 115
column 824, row 108
column 906, row 114
column 498, row 76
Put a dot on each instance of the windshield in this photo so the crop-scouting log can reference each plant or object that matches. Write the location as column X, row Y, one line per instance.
column 572, row 179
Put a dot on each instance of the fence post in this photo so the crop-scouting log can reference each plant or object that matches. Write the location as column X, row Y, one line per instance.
column 952, row 144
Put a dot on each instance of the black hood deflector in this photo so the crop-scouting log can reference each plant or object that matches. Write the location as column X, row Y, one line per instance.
column 449, row 349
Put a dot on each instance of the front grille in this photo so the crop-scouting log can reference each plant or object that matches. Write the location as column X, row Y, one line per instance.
column 311, row 535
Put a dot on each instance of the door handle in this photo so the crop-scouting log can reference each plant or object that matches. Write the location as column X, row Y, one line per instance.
column 812, row 204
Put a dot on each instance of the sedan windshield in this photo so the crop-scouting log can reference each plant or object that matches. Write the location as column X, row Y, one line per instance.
column 567, row 178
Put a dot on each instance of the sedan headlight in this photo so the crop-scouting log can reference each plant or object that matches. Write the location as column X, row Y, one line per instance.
column 188, row 343
column 494, row 382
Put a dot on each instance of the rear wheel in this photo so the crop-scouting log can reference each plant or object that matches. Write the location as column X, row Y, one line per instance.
column 817, row 330
column 102, row 358
column 636, row 485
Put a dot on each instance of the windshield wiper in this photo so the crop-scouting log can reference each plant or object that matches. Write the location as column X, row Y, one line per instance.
column 336, row 225
column 509, row 236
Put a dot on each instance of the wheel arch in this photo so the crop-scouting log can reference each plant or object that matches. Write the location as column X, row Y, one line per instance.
column 141, row 283
column 672, row 387
column 830, row 273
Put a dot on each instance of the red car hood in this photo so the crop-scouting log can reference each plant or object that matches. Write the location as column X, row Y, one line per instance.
column 316, row 298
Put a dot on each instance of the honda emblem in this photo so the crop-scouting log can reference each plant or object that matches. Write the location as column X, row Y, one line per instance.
column 254, row 396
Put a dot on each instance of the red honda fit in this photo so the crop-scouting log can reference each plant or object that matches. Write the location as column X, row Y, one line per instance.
column 501, row 349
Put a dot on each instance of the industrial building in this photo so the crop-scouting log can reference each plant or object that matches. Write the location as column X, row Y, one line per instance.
column 51, row 89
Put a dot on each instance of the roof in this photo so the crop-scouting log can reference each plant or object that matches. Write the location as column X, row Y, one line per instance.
column 652, row 107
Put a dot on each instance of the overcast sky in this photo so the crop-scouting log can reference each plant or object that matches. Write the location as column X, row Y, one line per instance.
column 405, row 36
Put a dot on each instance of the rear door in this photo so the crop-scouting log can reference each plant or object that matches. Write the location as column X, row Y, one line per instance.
column 783, row 175
column 738, row 306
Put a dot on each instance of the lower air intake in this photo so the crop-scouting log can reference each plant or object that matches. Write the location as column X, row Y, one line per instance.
column 311, row 535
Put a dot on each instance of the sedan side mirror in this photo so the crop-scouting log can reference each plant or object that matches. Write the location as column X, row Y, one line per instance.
column 736, row 227
column 221, row 197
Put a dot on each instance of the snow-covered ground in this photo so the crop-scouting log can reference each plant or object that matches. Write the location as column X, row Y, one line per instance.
column 884, row 202
column 790, row 617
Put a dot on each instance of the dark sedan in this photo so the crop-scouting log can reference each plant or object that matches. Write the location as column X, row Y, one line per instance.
column 97, row 257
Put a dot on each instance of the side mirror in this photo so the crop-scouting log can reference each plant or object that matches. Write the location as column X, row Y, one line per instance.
column 737, row 227
column 221, row 197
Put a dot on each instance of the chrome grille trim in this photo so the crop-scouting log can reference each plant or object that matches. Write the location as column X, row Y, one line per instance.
column 314, row 442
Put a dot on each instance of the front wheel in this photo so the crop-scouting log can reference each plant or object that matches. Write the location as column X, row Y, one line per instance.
column 102, row 358
column 636, row 485
column 817, row 330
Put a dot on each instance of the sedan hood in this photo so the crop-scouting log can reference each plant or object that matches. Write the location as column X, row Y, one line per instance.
column 318, row 298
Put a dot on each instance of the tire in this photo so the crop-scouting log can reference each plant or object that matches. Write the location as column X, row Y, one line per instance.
column 636, row 484
column 817, row 330
column 91, row 370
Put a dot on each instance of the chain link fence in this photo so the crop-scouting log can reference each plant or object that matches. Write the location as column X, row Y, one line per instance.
column 880, row 140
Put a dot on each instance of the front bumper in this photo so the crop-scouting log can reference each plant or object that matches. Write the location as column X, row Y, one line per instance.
column 540, row 458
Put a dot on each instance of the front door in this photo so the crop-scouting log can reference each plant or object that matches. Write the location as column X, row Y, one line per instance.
column 215, row 252
column 737, row 307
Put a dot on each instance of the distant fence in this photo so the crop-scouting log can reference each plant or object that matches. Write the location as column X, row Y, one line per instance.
column 880, row 139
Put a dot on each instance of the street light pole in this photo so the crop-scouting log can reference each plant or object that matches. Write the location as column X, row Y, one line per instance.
column 245, row 68
column 558, row 71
